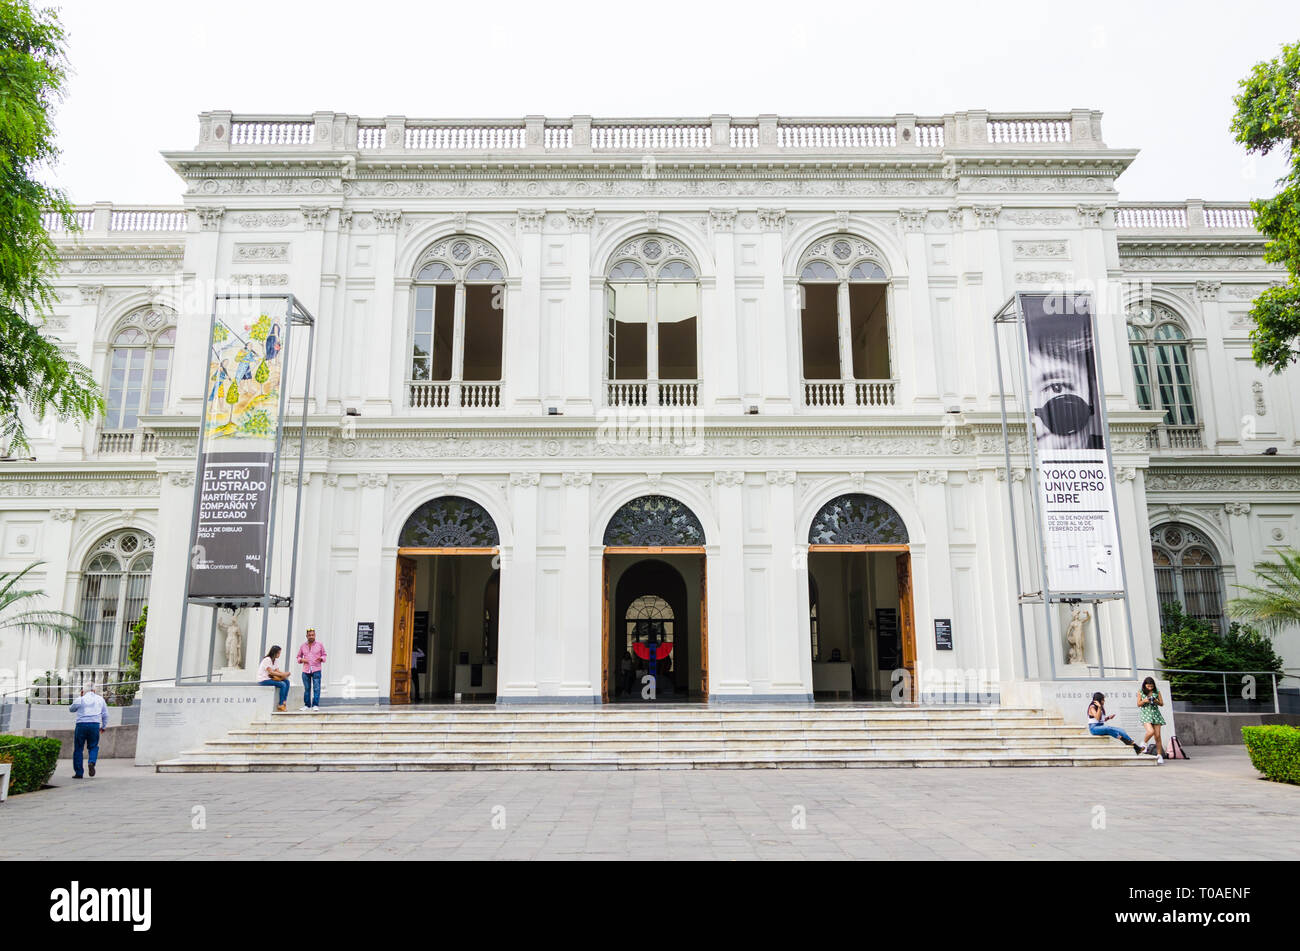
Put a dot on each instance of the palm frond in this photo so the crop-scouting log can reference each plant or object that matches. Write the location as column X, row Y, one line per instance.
column 1275, row 603
column 42, row 623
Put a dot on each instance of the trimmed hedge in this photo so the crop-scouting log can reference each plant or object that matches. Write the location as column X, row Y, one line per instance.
column 34, row 759
column 1274, row 751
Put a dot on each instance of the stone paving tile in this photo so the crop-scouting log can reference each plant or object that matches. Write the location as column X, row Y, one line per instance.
column 1213, row 806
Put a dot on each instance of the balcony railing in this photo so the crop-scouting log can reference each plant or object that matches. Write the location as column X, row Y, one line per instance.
column 850, row 394
column 1175, row 438
column 126, row 442
column 672, row 393
column 1185, row 216
column 333, row 131
column 105, row 220
column 422, row 394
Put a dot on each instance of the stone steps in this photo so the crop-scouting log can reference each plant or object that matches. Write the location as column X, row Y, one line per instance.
column 641, row 737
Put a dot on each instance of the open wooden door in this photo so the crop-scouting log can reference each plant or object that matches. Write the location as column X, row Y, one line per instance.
column 604, row 629
column 704, row 628
column 906, row 623
column 403, row 629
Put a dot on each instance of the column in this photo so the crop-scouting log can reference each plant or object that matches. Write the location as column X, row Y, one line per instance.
column 846, row 339
column 517, row 634
column 578, row 323
column 580, row 666
column 719, row 360
column 728, row 650
column 524, row 345
column 387, row 329
column 926, row 382
column 788, row 648
column 776, row 319
column 1212, row 375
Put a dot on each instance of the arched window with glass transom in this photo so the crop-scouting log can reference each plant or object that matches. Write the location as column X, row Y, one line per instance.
column 1162, row 370
column 139, row 370
column 652, row 326
column 114, row 590
column 1188, row 573
column 844, row 324
column 458, row 326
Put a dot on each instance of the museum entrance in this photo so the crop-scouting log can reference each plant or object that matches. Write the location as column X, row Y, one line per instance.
column 447, row 605
column 859, row 599
column 654, row 630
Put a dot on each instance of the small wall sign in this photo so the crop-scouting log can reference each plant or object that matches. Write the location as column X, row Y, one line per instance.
column 943, row 633
column 365, row 637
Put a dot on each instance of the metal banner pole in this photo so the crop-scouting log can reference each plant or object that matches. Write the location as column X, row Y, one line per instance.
column 297, row 512
column 212, row 639
column 274, row 515
column 1032, row 442
column 999, row 318
column 1114, row 501
column 194, row 507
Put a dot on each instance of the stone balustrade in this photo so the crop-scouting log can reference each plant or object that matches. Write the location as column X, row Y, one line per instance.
column 1192, row 215
column 225, row 131
column 103, row 220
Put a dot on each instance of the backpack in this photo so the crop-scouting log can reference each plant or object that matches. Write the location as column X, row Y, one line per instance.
column 1176, row 750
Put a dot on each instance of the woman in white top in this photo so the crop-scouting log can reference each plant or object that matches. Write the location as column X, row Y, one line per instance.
column 1097, row 718
column 268, row 675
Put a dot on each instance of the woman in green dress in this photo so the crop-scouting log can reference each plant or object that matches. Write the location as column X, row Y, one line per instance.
column 1149, row 703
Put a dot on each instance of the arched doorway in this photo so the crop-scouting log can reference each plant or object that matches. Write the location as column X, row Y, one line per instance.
column 446, row 604
column 654, row 630
column 860, row 598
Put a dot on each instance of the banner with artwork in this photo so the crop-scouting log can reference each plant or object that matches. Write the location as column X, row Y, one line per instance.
column 1065, row 415
column 241, row 423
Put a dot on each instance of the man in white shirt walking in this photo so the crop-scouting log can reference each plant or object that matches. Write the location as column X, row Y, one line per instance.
column 92, row 720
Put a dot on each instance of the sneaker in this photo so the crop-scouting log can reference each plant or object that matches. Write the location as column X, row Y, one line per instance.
column 316, row 707
column 92, row 769
column 280, row 708
column 304, row 708
column 1160, row 760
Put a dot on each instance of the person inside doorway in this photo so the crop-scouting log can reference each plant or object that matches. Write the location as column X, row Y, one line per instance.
column 417, row 664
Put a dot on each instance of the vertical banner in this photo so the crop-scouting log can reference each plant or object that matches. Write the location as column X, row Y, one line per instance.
column 241, row 427
column 1071, row 451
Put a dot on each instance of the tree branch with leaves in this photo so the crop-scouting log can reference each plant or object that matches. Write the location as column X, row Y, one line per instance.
column 35, row 375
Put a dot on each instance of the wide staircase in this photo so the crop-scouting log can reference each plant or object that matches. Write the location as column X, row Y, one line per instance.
column 647, row 737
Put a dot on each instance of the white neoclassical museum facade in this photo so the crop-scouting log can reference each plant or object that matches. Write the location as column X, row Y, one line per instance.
column 718, row 391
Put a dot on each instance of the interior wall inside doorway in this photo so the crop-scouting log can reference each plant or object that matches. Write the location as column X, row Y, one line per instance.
column 454, row 590
column 851, row 588
column 686, row 630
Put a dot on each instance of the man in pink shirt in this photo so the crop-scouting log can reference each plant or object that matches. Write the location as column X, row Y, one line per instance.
column 311, row 655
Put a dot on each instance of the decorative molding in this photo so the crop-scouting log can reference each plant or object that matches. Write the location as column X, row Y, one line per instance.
column 261, row 252
column 1207, row 290
column 1090, row 215
column 911, row 220
column 386, row 220
column 986, row 216
column 372, row 480
column 273, row 219
column 771, row 219
column 315, row 217
column 781, row 477
column 182, row 479
column 722, row 219
column 1042, row 277
column 1037, row 250
column 932, row 477
column 728, row 477
column 90, row 293
column 527, row 480
column 580, row 219
column 530, row 221
column 1125, row 474
column 210, row 217
column 345, row 221
column 1257, row 388
column 263, row 280
column 576, row 479
column 1236, row 508
column 80, row 485
column 63, row 514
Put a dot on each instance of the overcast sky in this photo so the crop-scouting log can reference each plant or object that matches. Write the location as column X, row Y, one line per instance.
column 1164, row 74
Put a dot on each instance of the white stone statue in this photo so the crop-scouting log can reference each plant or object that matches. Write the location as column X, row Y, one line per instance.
column 228, row 622
column 1075, row 635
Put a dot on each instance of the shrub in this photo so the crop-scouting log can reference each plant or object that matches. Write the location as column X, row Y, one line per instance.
column 1274, row 751
column 1188, row 643
column 34, row 759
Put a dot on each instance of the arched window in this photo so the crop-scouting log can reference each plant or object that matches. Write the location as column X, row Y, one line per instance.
column 648, row 618
column 652, row 296
column 844, row 324
column 458, row 326
column 138, row 369
column 114, row 590
column 1188, row 573
column 1162, row 370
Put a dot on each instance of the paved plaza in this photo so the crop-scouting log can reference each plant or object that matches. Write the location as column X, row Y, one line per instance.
column 1210, row 807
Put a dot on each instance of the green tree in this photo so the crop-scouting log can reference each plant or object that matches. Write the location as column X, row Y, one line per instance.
column 19, row 614
column 1268, row 117
column 135, row 655
column 34, row 373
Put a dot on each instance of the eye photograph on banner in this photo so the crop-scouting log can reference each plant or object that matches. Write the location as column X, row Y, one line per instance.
column 1064, row 411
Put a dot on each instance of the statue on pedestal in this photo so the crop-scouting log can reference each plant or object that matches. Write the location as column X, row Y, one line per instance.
column 228, row 622
column 1075, row 635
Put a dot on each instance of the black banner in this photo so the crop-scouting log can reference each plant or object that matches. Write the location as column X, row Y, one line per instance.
column 232, row 508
